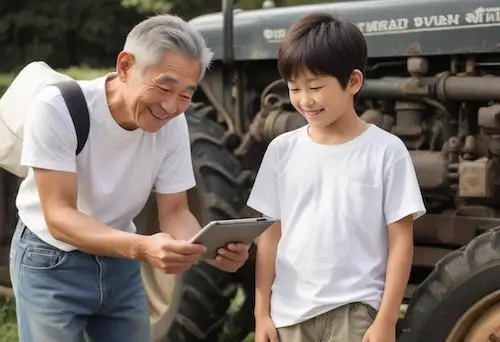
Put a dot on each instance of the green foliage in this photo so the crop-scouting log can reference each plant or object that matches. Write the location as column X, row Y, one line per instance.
column 63, row 32
column 193, row 8
column 148, row 6
column 8, row 327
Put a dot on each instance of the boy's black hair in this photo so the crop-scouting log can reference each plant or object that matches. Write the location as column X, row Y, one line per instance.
column 325, row 46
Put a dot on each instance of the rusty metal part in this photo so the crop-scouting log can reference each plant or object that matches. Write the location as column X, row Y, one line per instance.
column 477, row 178
column 279, row 122
column 212, row 97
column 431, row 169
column 428, row 256
column 378, row 118
column 451, row 229
column 468, row 88
column 372, row 116
column 480, row 323
column 488, row 118
column 443, row 88
column 469, row 149
column 272, row 120
column 417, row 66
column 409, row 123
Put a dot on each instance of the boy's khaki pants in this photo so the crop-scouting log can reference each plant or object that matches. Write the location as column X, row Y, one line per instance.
column 347, row 323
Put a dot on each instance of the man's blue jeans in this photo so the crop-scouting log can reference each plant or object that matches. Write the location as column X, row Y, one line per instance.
column 61, row 296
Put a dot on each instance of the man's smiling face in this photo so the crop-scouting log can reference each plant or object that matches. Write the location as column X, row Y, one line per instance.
column 162, row 91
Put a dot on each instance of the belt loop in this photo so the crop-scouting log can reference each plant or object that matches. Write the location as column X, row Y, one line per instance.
column 23, row 228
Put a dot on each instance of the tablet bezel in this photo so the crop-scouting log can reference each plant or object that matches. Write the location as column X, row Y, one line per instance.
column 218, row 234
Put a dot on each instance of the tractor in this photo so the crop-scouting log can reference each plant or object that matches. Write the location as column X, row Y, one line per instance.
column 440, row 95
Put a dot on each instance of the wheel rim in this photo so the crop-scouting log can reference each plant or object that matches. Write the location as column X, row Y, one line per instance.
column 159, row 297
column 159, row 286
column 481, row 323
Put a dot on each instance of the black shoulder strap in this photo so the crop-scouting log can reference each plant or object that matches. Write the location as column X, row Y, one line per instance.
column 77, row 106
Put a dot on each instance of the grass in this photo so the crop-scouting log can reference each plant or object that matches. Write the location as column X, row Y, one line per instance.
column 8, row 326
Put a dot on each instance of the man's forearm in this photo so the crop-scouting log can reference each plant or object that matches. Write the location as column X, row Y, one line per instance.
column 91, row 236
column 398, row 271
column 265, row 270
column 181, row 225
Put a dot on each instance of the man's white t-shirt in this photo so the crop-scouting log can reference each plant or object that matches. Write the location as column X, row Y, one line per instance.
column 334, row 203
column 116, row 170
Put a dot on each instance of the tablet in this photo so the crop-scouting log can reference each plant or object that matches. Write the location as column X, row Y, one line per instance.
column 218, row 234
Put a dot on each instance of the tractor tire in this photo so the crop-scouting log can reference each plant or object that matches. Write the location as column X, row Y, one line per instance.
column 8, row 219
column 460, row 300
column 194, row 306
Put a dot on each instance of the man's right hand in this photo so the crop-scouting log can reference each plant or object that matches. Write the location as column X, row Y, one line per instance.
column 265, row 331
column 170, row 255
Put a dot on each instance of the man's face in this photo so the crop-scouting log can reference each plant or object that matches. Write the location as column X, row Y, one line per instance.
column 162, row 91
column 321, row 99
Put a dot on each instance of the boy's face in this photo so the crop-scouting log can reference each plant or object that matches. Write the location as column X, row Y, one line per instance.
column 321, row 99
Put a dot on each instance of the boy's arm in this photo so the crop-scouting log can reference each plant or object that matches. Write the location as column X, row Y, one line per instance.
column 403, row 204
column 400, row 238
column 265, row 269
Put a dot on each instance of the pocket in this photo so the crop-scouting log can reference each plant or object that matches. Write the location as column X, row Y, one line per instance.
column 362, row 312
column 43, row 258
column 362, row 202
column 371, row 311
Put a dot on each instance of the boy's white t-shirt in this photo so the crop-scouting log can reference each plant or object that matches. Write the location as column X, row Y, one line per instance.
column 116, row 170
column 334, row 203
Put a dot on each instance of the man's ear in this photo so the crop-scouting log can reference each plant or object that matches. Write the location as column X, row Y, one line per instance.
column 355, row 82
column 124, row 63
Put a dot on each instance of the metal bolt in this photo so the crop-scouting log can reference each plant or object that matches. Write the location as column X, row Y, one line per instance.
column 417, row 65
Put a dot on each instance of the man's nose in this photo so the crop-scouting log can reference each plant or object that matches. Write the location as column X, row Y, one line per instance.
column 169, row 105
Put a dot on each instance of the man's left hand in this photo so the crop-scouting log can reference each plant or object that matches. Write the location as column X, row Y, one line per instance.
column 231, row 258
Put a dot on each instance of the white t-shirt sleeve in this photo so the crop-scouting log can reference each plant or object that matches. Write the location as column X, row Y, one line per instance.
column 264, row 196
column 176, row 172
column 49, row 140
column 402, row 196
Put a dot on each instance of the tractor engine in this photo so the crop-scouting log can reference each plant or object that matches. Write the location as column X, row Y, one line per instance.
column 449, row 122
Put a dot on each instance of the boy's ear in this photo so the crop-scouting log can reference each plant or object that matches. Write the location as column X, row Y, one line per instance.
column 356, row 82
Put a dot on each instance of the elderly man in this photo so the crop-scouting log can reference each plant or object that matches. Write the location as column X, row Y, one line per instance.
column 75, row 255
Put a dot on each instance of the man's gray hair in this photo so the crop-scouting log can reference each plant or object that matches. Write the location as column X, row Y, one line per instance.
column 150, row 39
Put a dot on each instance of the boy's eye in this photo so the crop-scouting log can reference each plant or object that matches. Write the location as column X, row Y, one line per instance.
column 316, row 88
column 294, row 90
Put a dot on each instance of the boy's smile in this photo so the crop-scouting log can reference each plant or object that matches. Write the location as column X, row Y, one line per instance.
column 311, row 114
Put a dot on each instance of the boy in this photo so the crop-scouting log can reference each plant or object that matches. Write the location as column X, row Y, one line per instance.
column 335, row 265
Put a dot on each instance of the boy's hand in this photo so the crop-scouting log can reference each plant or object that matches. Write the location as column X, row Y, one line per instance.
column 380, row 331
column 265, row 331
column 230, row 259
